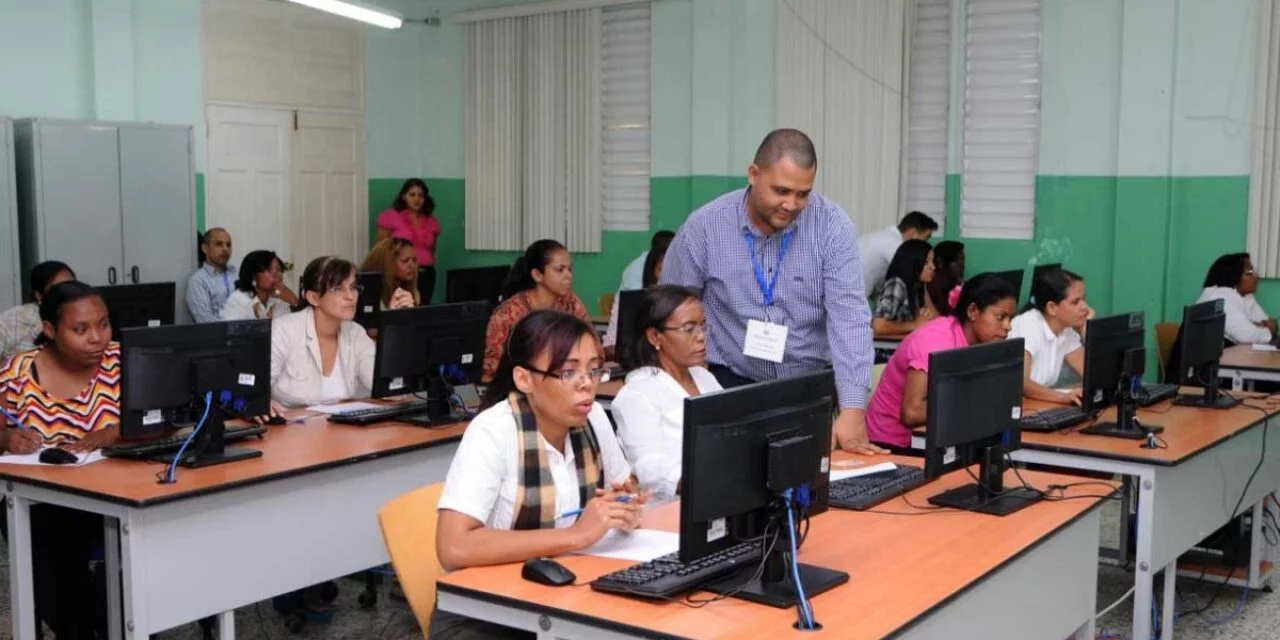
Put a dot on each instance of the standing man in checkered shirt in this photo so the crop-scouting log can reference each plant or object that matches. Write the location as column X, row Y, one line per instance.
column 777, row 268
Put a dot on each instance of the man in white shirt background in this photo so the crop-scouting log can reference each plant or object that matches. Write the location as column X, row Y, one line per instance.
column 877, row 249
column 633, row 275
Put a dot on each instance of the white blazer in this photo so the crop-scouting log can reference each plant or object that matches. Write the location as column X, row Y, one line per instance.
column 296, row 375
column 649, row 410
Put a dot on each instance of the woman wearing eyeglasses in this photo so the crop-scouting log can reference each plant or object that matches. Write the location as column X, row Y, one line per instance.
column 541, row 452
column 667, row 363
column 320, row 354
column 1233, row 280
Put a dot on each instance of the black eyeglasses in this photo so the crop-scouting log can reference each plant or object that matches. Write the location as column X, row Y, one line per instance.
column 573, row 376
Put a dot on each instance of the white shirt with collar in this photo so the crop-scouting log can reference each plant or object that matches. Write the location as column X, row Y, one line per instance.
column 296, row 376
column 650, row 413
column 246, row 306
column 485, row 474
column 1242, row 312
column 1048, row 350
column 876, row 252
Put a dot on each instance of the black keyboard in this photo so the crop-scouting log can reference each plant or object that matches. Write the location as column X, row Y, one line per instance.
column 864, row 492
column 363, row 417
column 666, row 576
column 1153, row 393
column 148, row 449
column 1054, row 419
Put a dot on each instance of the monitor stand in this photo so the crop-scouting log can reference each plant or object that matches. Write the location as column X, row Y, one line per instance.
column 1126, row 424
column 210, row 447
column 1212, row 398
column 440, row 411
column 775, row 586
column 989, row 496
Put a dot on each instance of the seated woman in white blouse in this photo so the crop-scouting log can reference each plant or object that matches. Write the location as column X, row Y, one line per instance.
column 1051, row 326
column 1233, row 280
column 539, row 472
column 260, row 292
column 667, row 364
column 319, row 354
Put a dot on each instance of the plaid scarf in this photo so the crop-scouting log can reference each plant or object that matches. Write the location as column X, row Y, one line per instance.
column 535, row 503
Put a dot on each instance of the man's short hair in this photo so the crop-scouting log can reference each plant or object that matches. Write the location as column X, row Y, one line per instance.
column 786, row 143
column 917, row 221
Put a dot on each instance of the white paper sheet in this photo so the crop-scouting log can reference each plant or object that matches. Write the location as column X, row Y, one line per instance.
column 343, row 407
column 1264, row 347
column 865, row 470
column 640, row 545
column 33, row 459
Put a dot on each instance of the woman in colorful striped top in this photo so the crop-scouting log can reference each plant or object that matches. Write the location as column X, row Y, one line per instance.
column 65, row 393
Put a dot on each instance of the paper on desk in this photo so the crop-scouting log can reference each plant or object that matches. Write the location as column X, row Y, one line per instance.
column 1265, row 347
column 862, row 471
column 343, row 407
column 640, row 545
column 33, row 459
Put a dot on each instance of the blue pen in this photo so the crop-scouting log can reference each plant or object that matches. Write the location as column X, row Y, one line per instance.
column 578, row 512
column 13, row 420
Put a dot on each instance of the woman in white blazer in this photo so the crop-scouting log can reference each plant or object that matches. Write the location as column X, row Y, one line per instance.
column 319, row 354
column 667, row 363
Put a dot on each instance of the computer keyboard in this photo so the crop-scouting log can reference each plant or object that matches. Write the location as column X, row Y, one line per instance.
column 363, row 417
column 864, row 492
column 147, row 449
column 1153, row 393
column 1053, row 419
column 666, row 576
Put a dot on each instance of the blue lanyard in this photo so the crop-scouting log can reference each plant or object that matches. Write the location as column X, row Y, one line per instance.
column 766, row 288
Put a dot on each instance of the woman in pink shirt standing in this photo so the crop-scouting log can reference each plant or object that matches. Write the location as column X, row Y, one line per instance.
column 412, row 217
column 981, row 314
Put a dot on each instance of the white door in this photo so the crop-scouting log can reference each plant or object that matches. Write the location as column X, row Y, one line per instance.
column 330, row 191
column 247, row 186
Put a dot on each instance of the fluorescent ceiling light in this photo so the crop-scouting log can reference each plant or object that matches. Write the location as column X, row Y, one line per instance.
column 355, row 11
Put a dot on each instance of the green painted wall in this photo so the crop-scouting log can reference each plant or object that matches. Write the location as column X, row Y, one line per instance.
column 200, row 202
column 595, row 274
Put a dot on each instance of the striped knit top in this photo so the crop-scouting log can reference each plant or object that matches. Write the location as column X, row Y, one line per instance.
column 61, row 420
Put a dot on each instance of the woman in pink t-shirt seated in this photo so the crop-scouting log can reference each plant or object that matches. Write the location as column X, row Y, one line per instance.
column 982, row 314
column 412, row 217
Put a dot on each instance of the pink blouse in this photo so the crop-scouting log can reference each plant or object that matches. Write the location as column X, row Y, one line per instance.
column 422, row 232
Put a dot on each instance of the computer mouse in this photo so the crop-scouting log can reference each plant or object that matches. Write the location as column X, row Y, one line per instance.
column 547, row 571
column 277, row 420
column 54, row 455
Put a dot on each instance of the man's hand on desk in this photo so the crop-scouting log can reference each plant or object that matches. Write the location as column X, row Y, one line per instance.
column 849, row 432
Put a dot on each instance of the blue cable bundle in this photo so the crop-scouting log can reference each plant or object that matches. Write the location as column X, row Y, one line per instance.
column 172, row 476
column 806, row 612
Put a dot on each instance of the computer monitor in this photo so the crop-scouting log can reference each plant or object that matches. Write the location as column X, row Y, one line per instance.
column 369, row 304
column 476, row 283
column 628, row 302
column 426, row 286
column 974, row 404
column 166, row 373
column 742, row 448
column 138, row 305
column 1013, row 277
column 430, row 349
column 1203, row 336
column 1114, row 361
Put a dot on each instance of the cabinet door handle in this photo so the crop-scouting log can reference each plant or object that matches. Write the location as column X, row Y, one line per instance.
column 111, row 275
column 136, row 279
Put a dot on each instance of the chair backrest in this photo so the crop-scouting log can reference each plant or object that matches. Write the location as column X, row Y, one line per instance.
column 876, row 372
column 1166, row 335
column 409, row 531
column 606, row 304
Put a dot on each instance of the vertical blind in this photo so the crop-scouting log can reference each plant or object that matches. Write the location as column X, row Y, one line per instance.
column 1001, row 118
column 1264, row 185
column 927, row 107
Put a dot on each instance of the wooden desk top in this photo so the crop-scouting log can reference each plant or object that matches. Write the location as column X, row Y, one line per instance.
column 1187, row 430
column 288, row 450
column 1243, row 356
column 900, row 568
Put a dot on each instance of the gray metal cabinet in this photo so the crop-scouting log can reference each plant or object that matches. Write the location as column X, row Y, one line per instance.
column 11, row 277
column 116, row 201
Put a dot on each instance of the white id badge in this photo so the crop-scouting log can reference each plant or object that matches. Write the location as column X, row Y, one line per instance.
column 765, row 340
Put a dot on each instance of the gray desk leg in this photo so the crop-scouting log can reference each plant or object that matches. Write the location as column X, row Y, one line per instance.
column 111, row 543
column 22, row 600
column 1166, row 614
column 133, row 539
column 1142, row 574
column 1126, row 526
